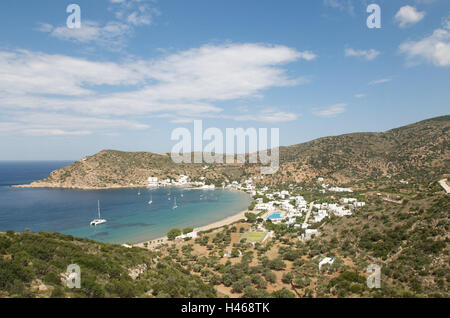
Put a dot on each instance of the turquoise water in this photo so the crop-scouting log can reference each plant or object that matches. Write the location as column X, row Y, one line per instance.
column 130, row 217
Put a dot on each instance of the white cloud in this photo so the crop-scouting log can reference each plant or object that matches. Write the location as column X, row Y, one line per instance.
column 434, row 49
column 55, row 124
column 186, row 84
column 111, row 34
column 331, row 111
column 258, row 114
column 307, row 55
column 408, row 15
column 182, row 120
column 360, row 95
column 366, row 54
column 135, row 12
column 25, row 72
column 380, row 81
column 424, row 1
column 342, row 5
column 268, row 116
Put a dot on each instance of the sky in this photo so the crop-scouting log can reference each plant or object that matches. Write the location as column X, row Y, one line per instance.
column 138, row 69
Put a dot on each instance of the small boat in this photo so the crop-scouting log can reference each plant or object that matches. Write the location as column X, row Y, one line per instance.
column 175, row 204
column 139, row 193
column 99, row 220
column 151, row 200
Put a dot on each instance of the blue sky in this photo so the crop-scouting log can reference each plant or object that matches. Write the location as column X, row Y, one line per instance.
column 138, row 69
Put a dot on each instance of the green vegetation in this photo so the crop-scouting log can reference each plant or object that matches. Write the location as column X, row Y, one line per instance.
column 188, row 230
column 255, row 236
column 403, row 228
column 31, row 266
column 173, row 233
column 251, row 217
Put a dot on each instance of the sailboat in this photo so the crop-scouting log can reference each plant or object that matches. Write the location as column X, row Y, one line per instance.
column 151, row 200
column 139, row 193
column 99, row 220
column 175, row 203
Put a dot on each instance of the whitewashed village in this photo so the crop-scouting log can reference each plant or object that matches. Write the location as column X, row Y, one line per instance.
column 277, row 207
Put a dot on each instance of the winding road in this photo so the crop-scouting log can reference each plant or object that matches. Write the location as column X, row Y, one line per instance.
column 309, row 213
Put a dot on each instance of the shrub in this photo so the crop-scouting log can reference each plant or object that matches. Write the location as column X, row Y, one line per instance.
column 173, row 233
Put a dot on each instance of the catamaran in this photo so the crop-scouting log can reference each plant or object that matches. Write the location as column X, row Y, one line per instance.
column 99, row 220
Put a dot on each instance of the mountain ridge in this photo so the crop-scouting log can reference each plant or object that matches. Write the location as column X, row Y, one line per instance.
column 418, row 151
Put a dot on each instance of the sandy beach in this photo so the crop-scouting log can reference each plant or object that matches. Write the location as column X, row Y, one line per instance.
column 227, row 221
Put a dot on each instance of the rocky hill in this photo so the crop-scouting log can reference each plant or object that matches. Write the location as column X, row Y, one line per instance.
column 417, row 152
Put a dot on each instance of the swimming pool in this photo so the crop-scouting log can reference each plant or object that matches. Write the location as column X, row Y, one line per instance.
column 275, row 216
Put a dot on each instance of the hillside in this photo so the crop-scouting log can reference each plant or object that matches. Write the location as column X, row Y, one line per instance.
column 409, row 241
column 404, row 228
column 31, row 266
column 420, row 152
column 417, row 152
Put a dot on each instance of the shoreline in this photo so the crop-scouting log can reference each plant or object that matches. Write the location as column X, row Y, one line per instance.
column 111, row 187
column 215, row 225
column 49, row 186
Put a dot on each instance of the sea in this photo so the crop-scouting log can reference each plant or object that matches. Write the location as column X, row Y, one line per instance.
column 130, row 217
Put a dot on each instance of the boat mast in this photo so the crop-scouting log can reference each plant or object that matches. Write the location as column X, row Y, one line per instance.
column 98, row 203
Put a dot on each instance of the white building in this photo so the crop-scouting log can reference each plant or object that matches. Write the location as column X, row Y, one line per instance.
column 291, row 221
column 152, row 182
column 300, row 201
column 264, row 206
column 308, row 234
column 326, row 260
column 321, row 214
column 341, row 211
column 348, row 200
column 182, row 180
column 338, row 189
column 188, row 235
column 284, row 193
